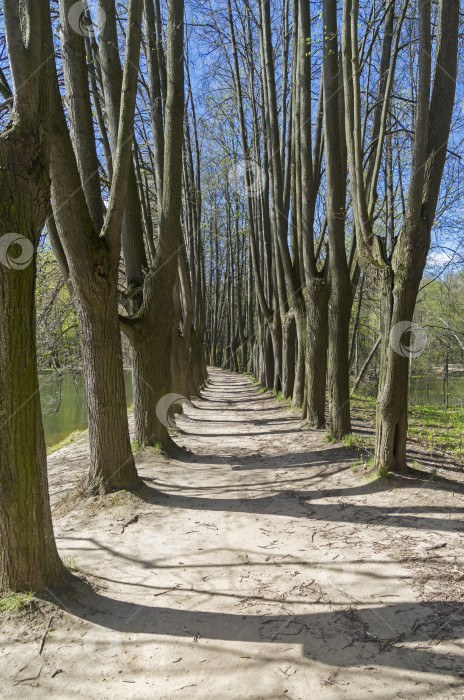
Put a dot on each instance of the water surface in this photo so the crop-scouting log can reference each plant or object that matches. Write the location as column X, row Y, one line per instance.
column 64, row 414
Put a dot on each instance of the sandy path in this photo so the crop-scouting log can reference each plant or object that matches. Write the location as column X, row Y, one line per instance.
column 261, row 567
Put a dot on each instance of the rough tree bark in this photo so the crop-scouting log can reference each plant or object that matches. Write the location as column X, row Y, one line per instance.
column 28, row 554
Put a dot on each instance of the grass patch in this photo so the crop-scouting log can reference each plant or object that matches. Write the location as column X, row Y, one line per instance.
column 73, row 437
column 369, row 472
column 280, row 397
column 434, row 427
column 15, row 601
column 383, row 472
column 69, row 563
column 350, row 440
column 438, row 428
column 330, row 438
column 138, row 446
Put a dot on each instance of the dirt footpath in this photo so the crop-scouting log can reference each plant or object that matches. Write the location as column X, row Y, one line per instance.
column 261, row 566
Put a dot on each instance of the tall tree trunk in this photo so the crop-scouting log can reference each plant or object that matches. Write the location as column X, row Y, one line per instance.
column 150, row 332
column 92, row 257
column 340, row 285
column 28, row 554
column 398, row 276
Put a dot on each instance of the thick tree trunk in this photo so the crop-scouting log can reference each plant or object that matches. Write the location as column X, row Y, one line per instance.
column 268, row 360
column 277, row 342
column 398, row 297
column 180, row 365
column 112, row 465
column 316, row 351
column 338, row 361
column 151, row 339
column 288, row 356
column 28, row 554
column 197, row 350
column 300, row 377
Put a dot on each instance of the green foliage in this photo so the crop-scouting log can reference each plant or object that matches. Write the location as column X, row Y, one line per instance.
column 15, row 601
column 350, row 440
column 138, row 446
column 280, row 397
column 438, row 428
column 69, row 563
column 433, row 426
column 76, row 435
column 330, row 438
column 57, row 326
column 383, row 471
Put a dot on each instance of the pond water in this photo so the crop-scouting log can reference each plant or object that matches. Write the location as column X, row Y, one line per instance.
column 425, row 390
column 61, row 418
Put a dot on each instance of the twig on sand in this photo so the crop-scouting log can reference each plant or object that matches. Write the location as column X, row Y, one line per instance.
column 44, row 636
